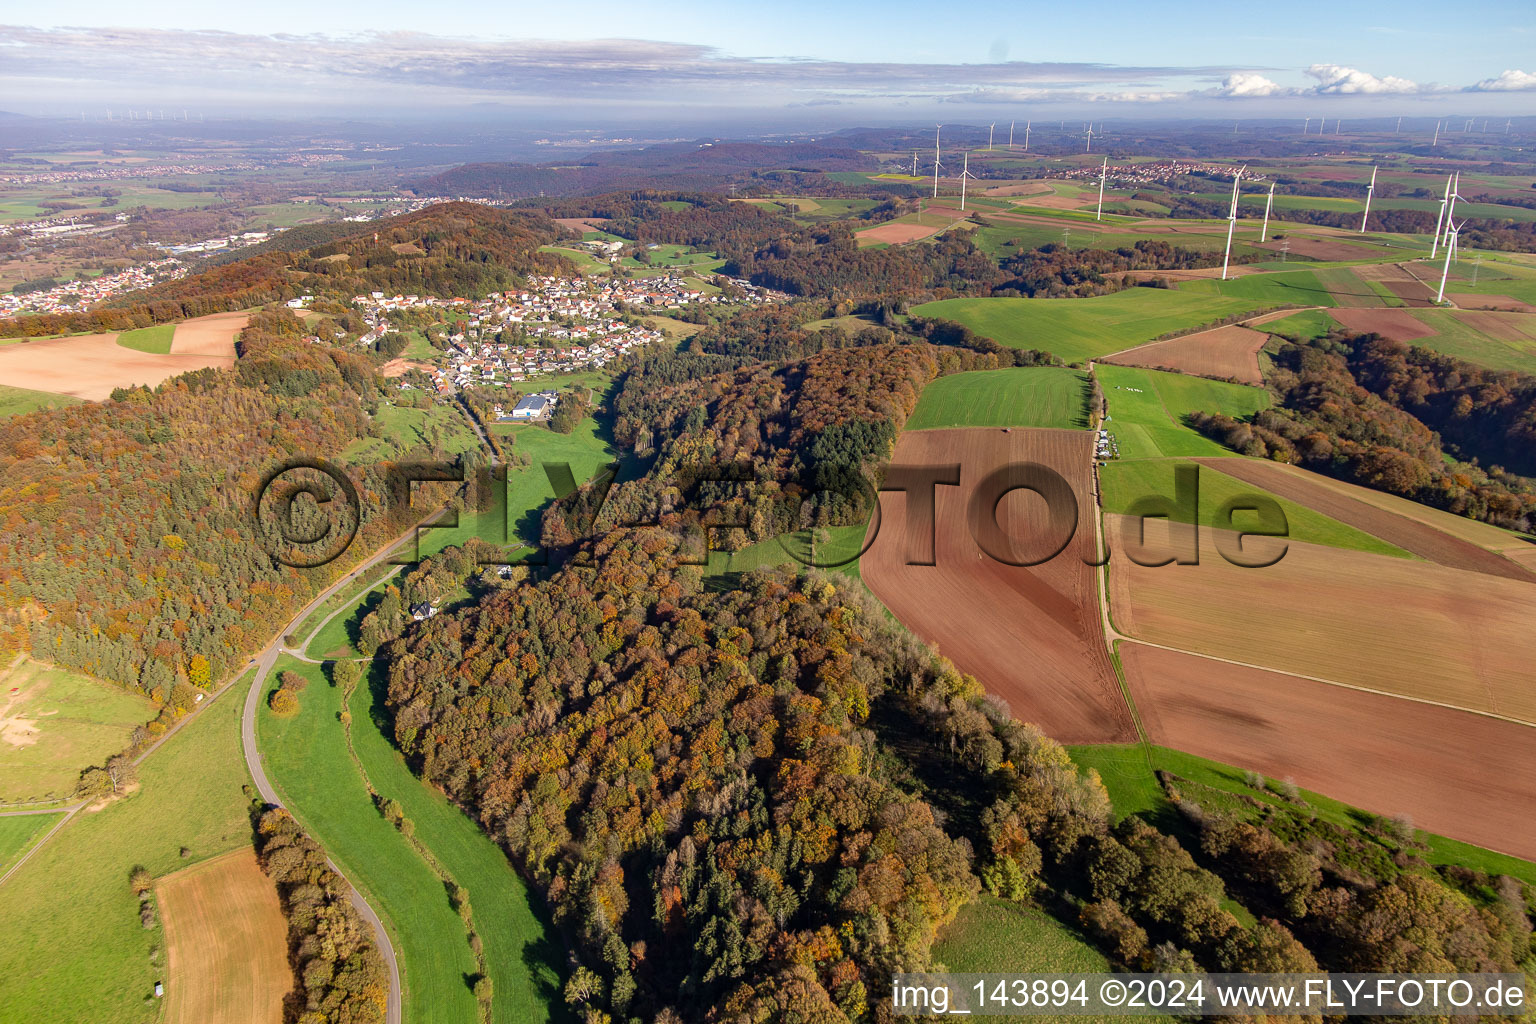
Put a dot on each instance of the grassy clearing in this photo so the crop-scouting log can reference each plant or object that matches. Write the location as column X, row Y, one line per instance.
column 57, row 724
column 17, row 834
column 1147, row 410
column 340, row 636
column 307, row 758
column 74, row 948
column 1080, row 329
column 155, row 339
column 19, row 401
column 401, row 430
column 1345, row 283
column 1126, row 482
column 836, row 548
column 1298, row 287
column 1039, row 396
column 521, row 953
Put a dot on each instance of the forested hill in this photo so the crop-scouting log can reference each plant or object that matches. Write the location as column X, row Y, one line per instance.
column 755, row 805
column 451, row 249
column 679, row 165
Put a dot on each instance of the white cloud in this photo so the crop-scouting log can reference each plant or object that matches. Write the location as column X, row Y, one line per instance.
column 1246, row 83
column 1337, row 80
column 1509, row 81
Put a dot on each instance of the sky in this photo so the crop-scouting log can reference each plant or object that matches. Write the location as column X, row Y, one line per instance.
column 873, row 62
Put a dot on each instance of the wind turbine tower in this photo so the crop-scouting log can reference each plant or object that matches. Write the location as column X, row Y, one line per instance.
column 1268, row 203
column 914, row 163
column 1026, row 135
column 965, row 172
column 1368, row 193
column 1103, row 170
column 1010, row 135
column 1399, row 124
column 990, row 129
column 1434, row 245
column 1452, row 231
column 1305, row 125
column 1090, row 139
column 1231, row 221
column 1436, row 140
column 936, row 160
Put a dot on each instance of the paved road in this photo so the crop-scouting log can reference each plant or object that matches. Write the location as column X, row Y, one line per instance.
column 264, row 662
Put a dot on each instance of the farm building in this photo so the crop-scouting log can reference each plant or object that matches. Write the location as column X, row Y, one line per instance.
column 534, row 407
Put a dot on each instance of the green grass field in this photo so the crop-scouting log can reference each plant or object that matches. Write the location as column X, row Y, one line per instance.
column 1342, row 281
column 1302, row 326
column 795, row 550
column 995, row 936
column 1146, row 410
column 74, row 948
column 522, row 955
column 1127, row 771
column 1298, row 287
column 1454, row 336
column 1080, row 329
column 59, row 723
column 585, row 262
column 307, row 759
column 155, row 339
column 1036, row 396
column 403, row 430
column 1126, row 482
column 338, row 639
column 18, row 832
column 19, row 401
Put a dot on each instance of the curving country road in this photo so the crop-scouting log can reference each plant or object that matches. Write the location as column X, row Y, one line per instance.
column 264, row 662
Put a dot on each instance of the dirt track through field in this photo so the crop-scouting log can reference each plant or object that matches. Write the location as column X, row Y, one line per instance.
column 1230, row 352
column 1031, row 635
column 226, row 943
column 1461, row 775
column 1388, row 624
column 1423, row 540
column 90, row 366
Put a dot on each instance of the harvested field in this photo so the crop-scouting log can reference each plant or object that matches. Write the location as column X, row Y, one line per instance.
column 226, row 943
column 1027, row 188
column 1033, row 636
column 1379, row 753
column 1231, row 353
column 1500, row 326
column 582, row 224
column 89, row 366
column 1416, row 629
column 212, row 336
column 1507, row 303
column 1396, row 324
column 1325, row 249
column 400, row 367
column 1399, row 282
column 897, row 234
column 1421, row 539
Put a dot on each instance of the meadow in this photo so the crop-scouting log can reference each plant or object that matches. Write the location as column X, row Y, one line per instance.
column 19, row 401
column 1043, row 396
column 77, row 951
column 402, row 429
column 307, row 759
column 57, row 724
column 1294, row 287
column 1457, row 333
column 1124, row 483
column 1080, row 329
column 17, row 834
column 339, row 637
column 1146, row 410
column 155, row 339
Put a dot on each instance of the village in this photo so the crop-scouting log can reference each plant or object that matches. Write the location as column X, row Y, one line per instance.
column 555, row 325
column 81, row 294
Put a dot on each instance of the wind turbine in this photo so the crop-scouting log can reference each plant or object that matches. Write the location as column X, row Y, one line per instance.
column 990, row 129
column 1026, row 135
column 1264, row 231
column 1399, row 124
column 1231, row 221
column 914, row 163
column 936, row 160
column 1451, row 208
column 1452, row 232
column 1010, row 135
column 1090, row 138
column 965, row 172
column 1436, row 140
column 1368, row 193
column 1305, row 125
column 1434, row 246
column 1099, row 215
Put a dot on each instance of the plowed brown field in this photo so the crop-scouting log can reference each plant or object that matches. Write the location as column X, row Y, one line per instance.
column 1230, row 352
column 1305, row 488
column 90, row 366
column 1383, row 754
column 226, row 943
column 1387, row 624
column 1396, row 324
column 1031, row 635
